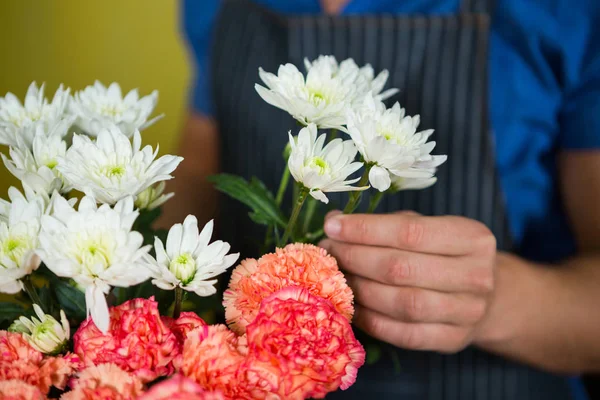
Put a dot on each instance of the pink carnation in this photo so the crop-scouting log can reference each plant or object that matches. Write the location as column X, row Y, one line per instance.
column 179, row 387
column 303, row 265
column 212, row 358
column 187, row 322
column 104, row 381
column 302, row 346
column 137, row 341
column 19, row 390
column 20, row 361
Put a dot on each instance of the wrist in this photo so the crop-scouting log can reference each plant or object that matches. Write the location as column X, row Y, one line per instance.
column 516, row 303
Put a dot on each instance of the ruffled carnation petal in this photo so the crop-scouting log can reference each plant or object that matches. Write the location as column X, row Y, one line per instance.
column 301, row 341
column 179, row 387
column 137, row 341
column 19, row 390
column 105, row 381
column 301, row 265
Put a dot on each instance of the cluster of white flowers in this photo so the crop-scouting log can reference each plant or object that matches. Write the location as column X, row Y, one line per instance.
column 348, row 98
column 91, row 142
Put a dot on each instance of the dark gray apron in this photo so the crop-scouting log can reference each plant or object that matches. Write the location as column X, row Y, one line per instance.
column 439, row 63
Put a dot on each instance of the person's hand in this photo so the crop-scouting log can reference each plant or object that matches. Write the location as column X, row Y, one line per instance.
column 422, row 283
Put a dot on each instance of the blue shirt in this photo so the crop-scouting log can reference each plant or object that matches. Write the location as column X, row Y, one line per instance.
column 544, row 87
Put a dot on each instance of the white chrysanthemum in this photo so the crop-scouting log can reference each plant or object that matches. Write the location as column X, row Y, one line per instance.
column 365, row 81
column 19, row 229
column 388, row 141
column 18, row 122
column 95, row 247
column 189, row 261
column 111, row 168
column 328, row 90
column 153, row 197
column 44, row 333
column 323, row 169
column 98, row 107
column 400, row 183
column 36, row 167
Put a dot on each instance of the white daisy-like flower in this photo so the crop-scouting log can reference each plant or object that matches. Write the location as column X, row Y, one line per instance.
column 96, row 247
column 320, row 168
column 98, row 107
column 44, row 333
column 36, row 166
column 111, row 167
column 390, row 144
column 189, row 261
column 365, row 81
column 153, row 197
column 18, row 122
column 400, row 183
column 19, row 229
column 323, row 97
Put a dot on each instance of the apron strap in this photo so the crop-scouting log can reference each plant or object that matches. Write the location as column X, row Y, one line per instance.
column 477, row 6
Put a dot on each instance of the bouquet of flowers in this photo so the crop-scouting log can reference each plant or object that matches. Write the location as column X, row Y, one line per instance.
column 98, row 304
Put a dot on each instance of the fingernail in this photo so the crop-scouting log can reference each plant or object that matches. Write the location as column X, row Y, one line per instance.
column 333, row 226
column 332, row 214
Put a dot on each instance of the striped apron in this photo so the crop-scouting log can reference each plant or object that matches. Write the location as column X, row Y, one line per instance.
column 439, row 63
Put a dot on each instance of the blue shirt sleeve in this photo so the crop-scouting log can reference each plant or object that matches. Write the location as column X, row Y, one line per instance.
column 580, row 113
column 198, row 17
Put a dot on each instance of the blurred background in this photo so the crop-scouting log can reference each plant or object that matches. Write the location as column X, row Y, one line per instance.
column 136, row 43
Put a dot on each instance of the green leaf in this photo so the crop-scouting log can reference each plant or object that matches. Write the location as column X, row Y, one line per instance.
column 10, row 311
column 373, row 353
column 71, row 299
column 253, row 194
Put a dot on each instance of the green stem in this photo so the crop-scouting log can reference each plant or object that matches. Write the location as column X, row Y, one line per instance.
column 32, row 293
column 308, row 216
column 178, row 300
column 334, row 134
column 314, row 236
column 285, row 179
column 355, row 196
column 302, row 194
column 374, row 202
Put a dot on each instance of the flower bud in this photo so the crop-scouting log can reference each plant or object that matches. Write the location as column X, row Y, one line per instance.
column 44, row 333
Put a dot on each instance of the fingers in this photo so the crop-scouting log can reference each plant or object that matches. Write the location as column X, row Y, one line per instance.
column 404, row 268
column 447, row 235
column 409, row 304
column 413, row 336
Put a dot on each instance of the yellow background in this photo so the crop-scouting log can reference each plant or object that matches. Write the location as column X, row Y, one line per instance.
column 134, row 42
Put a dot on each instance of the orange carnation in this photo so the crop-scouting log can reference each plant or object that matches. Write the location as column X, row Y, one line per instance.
column 137, row 341
column 179, row 387
column 302, row 265
column 299, row 344
column 104, row 381
column 212, row 358
column 18, row 390
column 20, row 361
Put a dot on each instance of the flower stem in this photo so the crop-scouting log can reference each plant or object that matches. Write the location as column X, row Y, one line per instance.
column 374, row 201
column 334, row 134
column 355, row 196
column 285, row 178
column 308, row 216
column 302, row 194
column 178, row 299
column 32, row 293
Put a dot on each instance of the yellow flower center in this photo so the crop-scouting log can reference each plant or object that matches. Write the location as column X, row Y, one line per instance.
column 52, row 164
column 111, row 110
column 114, row 171
column 14, row 248
column 320, row 164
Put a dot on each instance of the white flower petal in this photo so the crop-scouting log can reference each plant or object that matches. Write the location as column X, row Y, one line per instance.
column 380, row 178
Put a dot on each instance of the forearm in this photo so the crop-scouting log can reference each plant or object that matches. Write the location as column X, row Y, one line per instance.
column 546, row 316
column 199, row 146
